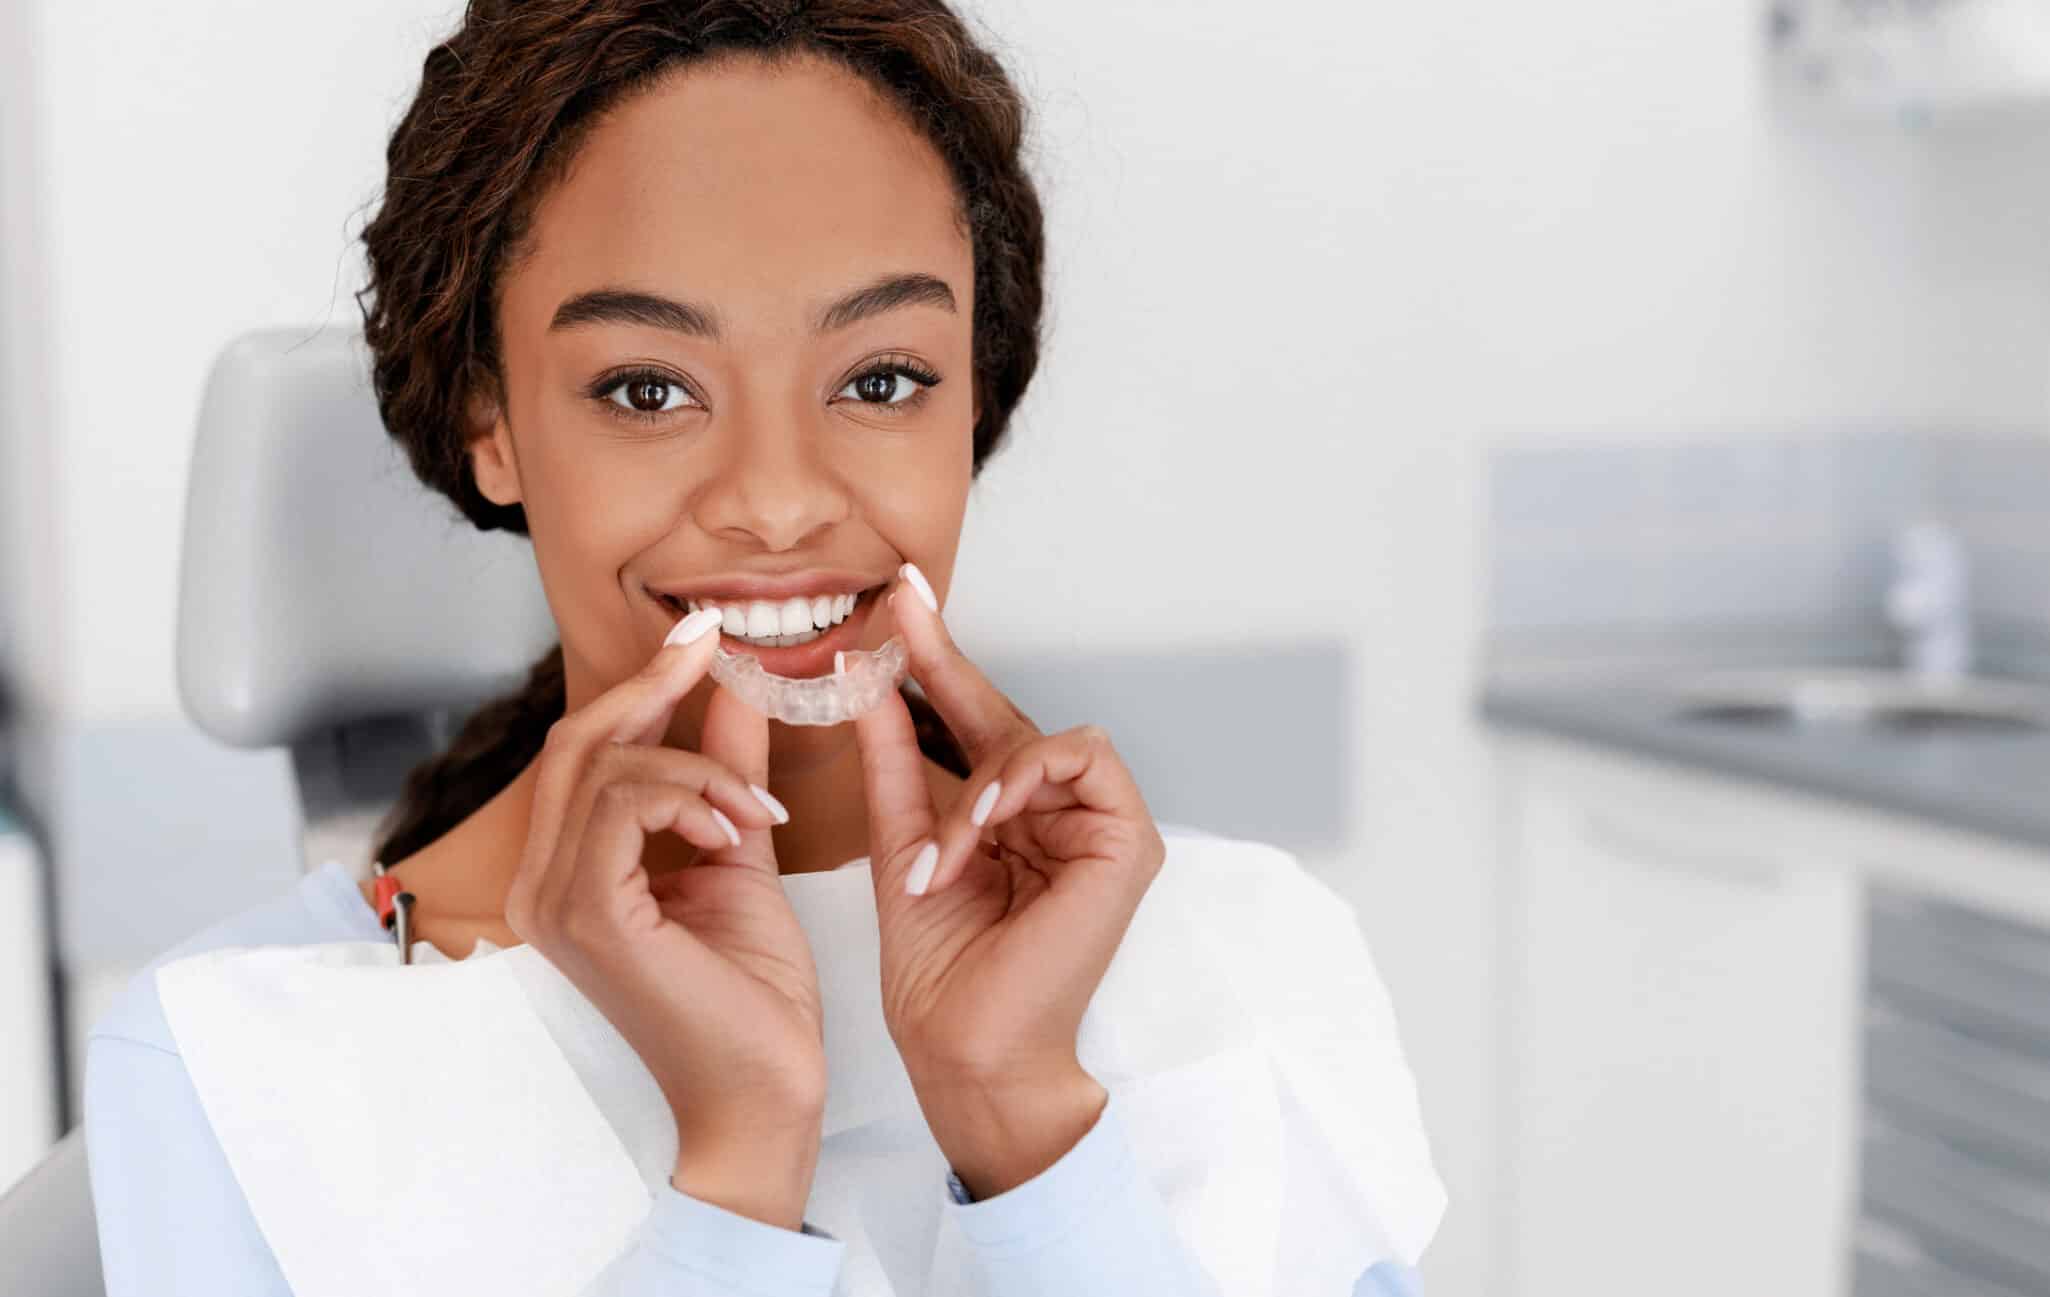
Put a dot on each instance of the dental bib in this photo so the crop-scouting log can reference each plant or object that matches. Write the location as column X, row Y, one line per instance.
column 477, row 1125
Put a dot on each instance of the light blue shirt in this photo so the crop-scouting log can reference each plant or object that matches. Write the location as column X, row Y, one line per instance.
column 173, row 1221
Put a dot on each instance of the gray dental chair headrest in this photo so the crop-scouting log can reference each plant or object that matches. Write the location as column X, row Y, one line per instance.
column 327, row 601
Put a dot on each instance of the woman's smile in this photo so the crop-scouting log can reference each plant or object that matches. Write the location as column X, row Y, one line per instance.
column 794, row 635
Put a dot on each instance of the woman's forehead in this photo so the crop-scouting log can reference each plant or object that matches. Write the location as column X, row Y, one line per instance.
column 750, row 183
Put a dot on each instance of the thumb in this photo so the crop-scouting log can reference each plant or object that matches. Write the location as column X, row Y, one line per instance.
column 737, row 737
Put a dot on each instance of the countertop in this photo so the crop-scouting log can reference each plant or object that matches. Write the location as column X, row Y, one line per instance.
column 1995, row 783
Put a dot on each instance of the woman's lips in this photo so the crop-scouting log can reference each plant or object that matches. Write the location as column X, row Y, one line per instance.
column 803, row 661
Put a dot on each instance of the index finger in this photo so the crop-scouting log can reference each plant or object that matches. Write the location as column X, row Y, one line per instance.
column 636, row 710
column 980, row 716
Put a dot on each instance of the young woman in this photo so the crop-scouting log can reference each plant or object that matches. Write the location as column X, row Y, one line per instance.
column 724, row 305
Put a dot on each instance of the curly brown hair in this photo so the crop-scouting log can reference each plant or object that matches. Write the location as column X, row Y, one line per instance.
column 503, row 105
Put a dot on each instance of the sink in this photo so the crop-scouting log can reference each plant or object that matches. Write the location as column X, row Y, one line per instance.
column 1895, row 701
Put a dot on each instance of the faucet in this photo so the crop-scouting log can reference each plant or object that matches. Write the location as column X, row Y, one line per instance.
column 1927, row 601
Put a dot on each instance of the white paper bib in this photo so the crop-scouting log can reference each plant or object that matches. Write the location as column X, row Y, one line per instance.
column 489, row 1126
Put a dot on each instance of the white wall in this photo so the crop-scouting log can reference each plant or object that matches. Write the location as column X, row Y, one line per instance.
column 1312, row 268
column 1982, row 267
column 1308, row 266
column 32, row 595
column 201, row 173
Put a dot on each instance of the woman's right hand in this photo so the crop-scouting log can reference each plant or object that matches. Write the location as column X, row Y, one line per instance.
column 705, row 970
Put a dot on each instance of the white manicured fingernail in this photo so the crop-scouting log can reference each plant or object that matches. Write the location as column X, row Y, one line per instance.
column 732, row 834
column 986, row 803
column 763, row 796
column 839, row 662
column 693, row 626
column 918, row 582
column 921, row 869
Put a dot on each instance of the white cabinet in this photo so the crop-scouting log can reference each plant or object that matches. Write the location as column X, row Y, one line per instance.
column 1688, row 1055
column 1682, row 1003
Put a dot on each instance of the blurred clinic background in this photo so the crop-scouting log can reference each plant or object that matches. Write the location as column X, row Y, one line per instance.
column 1578, row 474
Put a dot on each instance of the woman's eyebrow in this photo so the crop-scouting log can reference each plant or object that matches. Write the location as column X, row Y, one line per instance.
column 632, row 306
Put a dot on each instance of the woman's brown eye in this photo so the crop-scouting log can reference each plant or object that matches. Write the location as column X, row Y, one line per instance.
column 647, row 396
column 890, row 388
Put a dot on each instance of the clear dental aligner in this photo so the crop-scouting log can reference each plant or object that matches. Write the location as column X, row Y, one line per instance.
column 822, row 700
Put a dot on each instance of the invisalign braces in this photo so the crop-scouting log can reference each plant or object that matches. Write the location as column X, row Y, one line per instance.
column 823, row 700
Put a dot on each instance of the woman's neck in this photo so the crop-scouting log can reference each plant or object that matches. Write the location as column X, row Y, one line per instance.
column 461, row 879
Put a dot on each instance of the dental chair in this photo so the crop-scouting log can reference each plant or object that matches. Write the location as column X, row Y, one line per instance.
column 327, row 604
column 331, row 605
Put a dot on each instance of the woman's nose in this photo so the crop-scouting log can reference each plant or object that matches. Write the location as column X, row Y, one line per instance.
column 772, row 483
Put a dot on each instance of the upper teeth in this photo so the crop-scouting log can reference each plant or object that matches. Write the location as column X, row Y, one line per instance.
column 760, row 619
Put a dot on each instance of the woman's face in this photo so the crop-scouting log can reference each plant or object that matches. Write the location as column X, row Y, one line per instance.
column 778, row 422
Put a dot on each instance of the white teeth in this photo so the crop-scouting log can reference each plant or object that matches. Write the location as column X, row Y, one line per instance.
column 781, row 622
column 796, row 616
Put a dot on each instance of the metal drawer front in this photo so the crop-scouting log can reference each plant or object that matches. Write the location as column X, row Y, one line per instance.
column 1979, row 1221
column 1927, row 1077
column 1992, row 937
column 1901, row 1268
column 1926, row 963
column 1956, row 1147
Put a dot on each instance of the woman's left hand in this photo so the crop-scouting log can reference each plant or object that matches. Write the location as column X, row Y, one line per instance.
column 986, row 974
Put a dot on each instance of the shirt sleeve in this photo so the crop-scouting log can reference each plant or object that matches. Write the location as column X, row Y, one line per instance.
column 173, row 1221
column 691, row 1248
column 1090, row 1225
column 1389, row 1279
